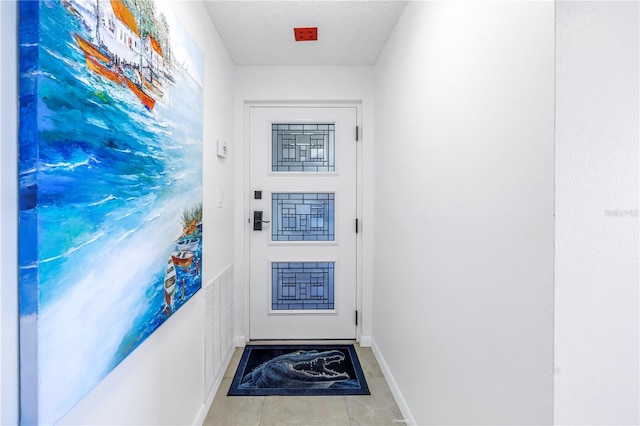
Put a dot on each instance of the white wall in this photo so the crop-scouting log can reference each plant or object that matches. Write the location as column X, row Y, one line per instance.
column 463, row 291
column 297, row 84
column 597, row 163
column 137, row 391
column 8, row 216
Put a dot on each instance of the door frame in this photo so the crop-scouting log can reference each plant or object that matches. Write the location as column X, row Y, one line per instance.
column 247, row 194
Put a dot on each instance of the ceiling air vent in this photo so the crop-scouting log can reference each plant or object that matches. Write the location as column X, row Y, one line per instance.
column 306, row 34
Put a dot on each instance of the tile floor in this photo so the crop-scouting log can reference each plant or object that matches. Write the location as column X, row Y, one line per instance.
column 379, row 408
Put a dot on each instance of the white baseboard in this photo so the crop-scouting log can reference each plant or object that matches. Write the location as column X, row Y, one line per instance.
column 395, row 390
column 201, row 415
column 240, row 341
column 365, row 341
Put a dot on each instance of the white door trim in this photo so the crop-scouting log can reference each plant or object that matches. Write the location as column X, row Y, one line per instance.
column 246, row 198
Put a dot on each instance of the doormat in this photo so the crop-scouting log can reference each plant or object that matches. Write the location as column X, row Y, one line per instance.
column 298, row 370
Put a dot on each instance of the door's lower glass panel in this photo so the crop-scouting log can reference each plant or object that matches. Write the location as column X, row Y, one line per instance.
column 302, row 285
column 302, row 216
column 303, row 148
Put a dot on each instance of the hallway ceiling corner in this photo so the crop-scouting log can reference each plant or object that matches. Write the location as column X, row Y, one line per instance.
column 349, row 32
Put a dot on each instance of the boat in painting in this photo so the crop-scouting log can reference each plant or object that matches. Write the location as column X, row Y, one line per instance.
column 102, row 70
column 183, row 259
column 152, row 88
column 91, row 49
column 146, row 100
column 188, row 243
column 170, row 279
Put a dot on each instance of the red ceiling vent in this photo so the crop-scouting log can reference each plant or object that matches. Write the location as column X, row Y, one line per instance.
column 306, row 34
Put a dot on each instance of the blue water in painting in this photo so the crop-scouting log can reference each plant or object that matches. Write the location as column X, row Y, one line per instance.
column 114, row 180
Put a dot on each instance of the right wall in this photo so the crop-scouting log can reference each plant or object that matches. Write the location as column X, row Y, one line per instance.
column 597, row 169
column 464, row 211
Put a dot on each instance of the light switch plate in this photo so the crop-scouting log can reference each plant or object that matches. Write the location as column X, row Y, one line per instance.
column 223, row 149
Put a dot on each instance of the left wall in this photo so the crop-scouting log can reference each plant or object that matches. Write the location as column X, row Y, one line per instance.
column 8, row 217
column 138, row 391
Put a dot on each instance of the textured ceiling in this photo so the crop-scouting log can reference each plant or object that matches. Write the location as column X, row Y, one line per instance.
column 261, row 32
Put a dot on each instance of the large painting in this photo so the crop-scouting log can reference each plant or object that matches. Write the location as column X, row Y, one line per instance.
column 110, row 189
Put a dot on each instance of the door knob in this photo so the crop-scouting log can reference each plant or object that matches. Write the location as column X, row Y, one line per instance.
column 257, row 220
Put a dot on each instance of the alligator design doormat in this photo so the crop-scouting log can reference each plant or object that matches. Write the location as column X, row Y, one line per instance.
column 297, row 370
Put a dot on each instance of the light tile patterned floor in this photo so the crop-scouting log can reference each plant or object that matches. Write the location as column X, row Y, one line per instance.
column 379, row 408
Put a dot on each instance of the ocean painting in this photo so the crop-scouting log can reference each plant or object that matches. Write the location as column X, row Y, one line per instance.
column 110, row 163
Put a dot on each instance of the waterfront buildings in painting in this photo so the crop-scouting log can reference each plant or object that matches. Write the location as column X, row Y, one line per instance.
column 122, row 50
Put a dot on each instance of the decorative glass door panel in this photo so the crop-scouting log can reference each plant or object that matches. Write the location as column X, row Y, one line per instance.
column 303, row 217
column 302, row 210
column 302, row 286
column 303, row 147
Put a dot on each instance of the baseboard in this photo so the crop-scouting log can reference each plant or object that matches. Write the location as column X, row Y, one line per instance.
column 201, row 415
column 240, row 341
column 365, row 341
column 395, row 390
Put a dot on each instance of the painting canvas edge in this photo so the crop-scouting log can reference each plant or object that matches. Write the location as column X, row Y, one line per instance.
column 28, row 35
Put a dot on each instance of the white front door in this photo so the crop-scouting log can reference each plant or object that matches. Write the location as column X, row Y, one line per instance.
column 303, row 248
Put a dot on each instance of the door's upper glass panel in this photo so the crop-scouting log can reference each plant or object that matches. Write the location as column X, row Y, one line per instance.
column 303, row 216
column 302, row 285
column 303, row 147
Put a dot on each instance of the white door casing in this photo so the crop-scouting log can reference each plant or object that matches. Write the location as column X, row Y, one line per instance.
column 302, row 268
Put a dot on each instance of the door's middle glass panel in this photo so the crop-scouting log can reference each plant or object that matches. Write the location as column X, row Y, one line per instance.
column 303, row 217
